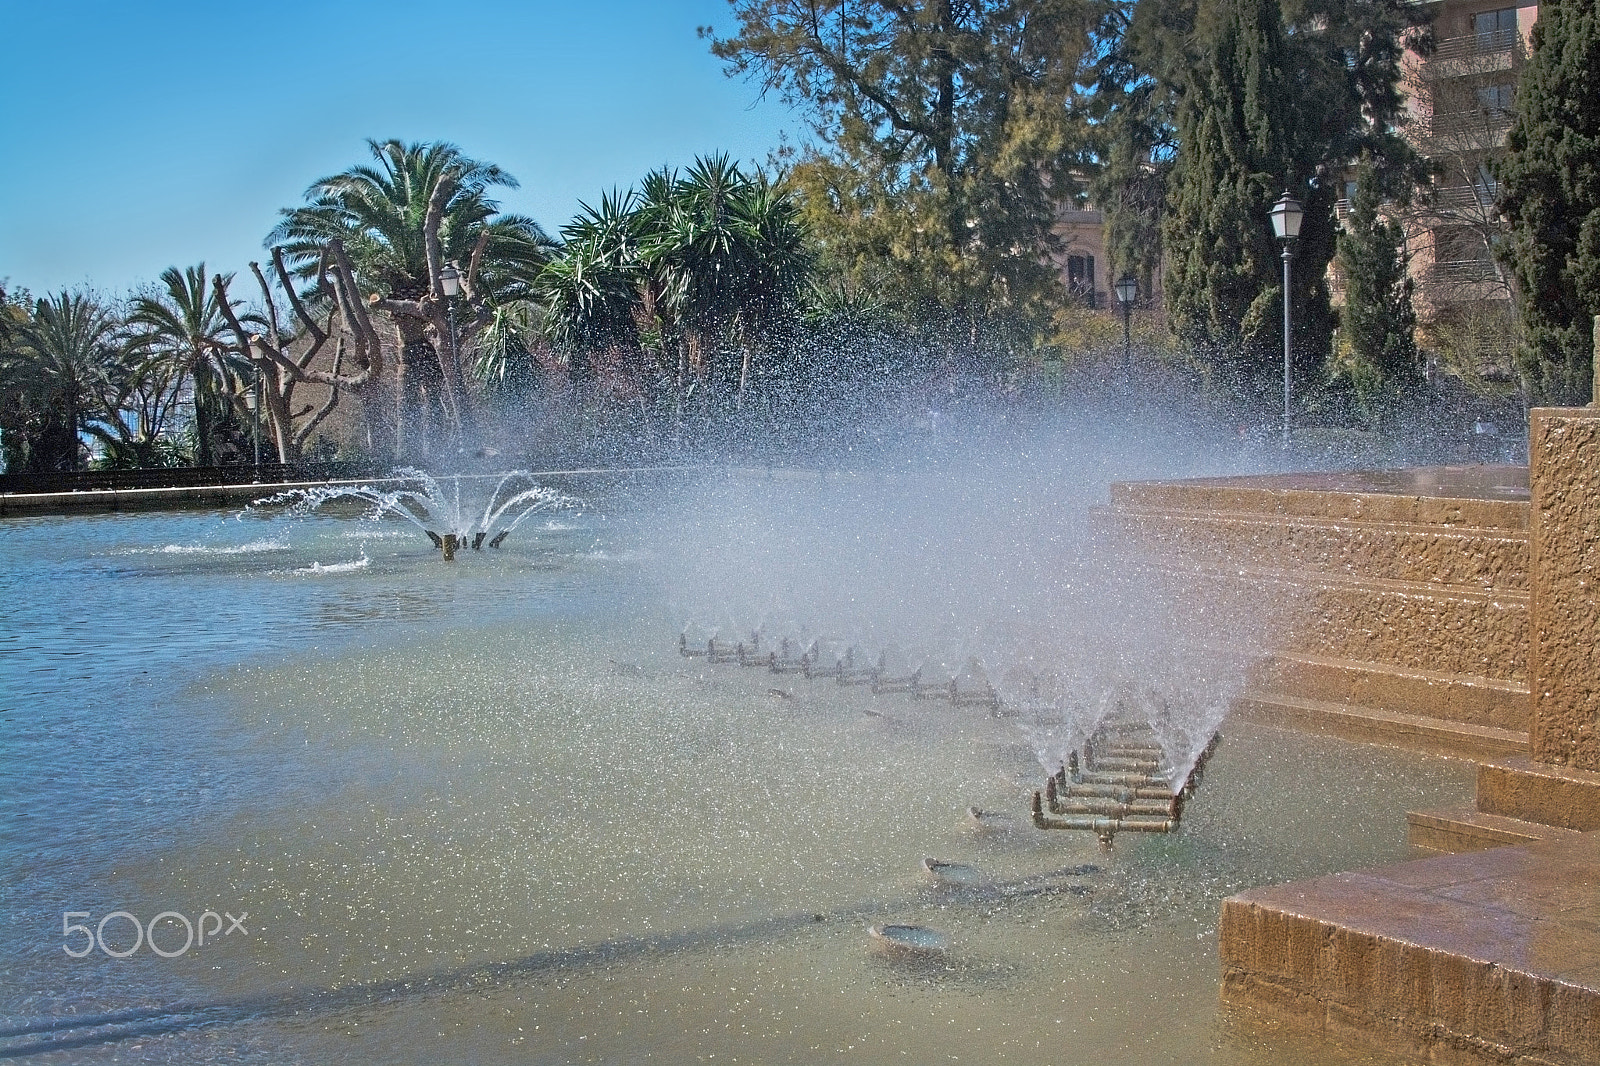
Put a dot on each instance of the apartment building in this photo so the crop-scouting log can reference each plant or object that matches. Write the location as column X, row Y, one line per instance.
column 1461, row 100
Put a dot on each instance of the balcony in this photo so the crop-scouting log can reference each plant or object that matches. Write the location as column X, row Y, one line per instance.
column 1476, row 53
column 1467, row 197
column 1476, row 130
column 1463, row 272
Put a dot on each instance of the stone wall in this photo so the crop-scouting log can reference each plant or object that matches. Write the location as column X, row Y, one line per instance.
column 1564, row 645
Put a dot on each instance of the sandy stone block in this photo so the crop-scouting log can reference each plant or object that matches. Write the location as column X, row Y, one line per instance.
column 1351, row 970
column 1572, row 1026
column 1398, row 1036
column 1536, row 793
column 1564, row 461
column 1241, row 988
column 1405, row 979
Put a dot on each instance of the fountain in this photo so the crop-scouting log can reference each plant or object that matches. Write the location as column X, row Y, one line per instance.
column 436, row 510
column 1123, row 777
column 557, row 836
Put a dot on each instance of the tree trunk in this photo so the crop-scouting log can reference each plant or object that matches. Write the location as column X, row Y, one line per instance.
column 202, row 415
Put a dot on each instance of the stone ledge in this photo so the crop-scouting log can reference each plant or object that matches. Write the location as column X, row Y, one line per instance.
column 1486, row 496
column 1488, row 956
column 1425, row 693
column 1516, row 787
column 1456, row 829
column 1468, row 556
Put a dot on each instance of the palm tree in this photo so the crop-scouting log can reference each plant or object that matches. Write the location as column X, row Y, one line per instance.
column 54, row 367
column 730, row 257
column 418, row 208
column 183, row 325
column 591, row 291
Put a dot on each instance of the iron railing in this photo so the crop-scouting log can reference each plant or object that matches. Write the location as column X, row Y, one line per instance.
column 1463, row 271
column 1490, row 42
column 181, row 477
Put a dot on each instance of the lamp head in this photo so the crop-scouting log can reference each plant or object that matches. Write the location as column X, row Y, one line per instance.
column 1127, row 289
column 1287, row 214
column 450, row 281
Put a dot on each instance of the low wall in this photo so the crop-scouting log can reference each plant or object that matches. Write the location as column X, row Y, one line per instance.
column 1564, row 444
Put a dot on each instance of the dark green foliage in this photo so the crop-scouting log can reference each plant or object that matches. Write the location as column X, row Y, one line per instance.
column 1550, row 193
column 1261, row 96
column 688, row 280
column 948, row 133
column 1378, row 322
column 181, row 326
column 1235, row 154
column 378, row 210
column 62, row 356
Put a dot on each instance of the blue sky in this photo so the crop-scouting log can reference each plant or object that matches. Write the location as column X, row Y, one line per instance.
column 151, row 133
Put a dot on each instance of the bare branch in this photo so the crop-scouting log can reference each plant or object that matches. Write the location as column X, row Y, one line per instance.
column 304, row 433
column 294, row 298
column 431, row 222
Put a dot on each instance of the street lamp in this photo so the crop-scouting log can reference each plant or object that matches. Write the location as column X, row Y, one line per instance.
column 1127, row 289
column 1286, row 217
column 252, row 400
column 450, row 285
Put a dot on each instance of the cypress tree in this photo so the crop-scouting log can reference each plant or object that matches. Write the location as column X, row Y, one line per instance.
column 1550, row 194
column 1268, row 95
column 1378, row 322
column 1241, row 144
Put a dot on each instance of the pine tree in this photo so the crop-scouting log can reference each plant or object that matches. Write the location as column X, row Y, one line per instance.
column 1550, row 193
column 1378, row 321
column 947, row 135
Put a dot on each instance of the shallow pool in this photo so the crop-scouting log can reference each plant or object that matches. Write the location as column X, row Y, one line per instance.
column 485, row 813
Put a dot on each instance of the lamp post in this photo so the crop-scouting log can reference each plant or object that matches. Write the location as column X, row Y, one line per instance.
column 1286, row 217
column 252, row 400
column 450, row 285
column 1127, row 289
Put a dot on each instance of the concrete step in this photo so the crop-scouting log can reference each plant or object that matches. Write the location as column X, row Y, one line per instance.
column 1424, row 693
column 1487, row 957
column 1458, row 829
column 1371, row 725
column 1518, row 787
column 1412, row 627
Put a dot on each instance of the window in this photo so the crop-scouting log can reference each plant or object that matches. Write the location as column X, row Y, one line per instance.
column 1080, row 277
column 1459, row 244
column 1486, row 187
column 1496, row 99
column 1495, row 31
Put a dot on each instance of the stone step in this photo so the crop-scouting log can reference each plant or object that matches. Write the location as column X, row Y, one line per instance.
column 1488, row 957
column 1411, row 627
column 1458, row 829
column 1371, row 725
column 1490, row 497
column 1518, row 787
column 1425, row 693
column 1473, row 557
